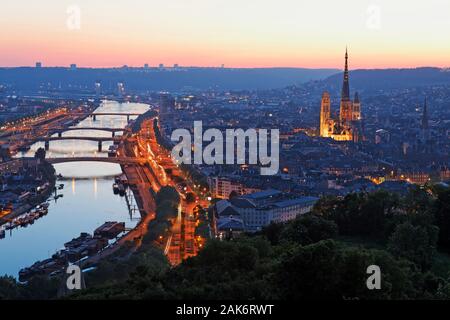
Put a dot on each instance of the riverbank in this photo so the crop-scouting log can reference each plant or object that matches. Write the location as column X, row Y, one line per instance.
column 48, row 172
column 87, row 200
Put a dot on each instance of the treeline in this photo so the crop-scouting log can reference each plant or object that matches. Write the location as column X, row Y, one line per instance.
column 167, row 202
column 160, row 138
column 322, row 255
column 412, row 227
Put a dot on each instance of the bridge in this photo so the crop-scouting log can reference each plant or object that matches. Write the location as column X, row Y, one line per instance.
column 60, row 131
column 100, row 140
column 125, row 114
column 116, row 160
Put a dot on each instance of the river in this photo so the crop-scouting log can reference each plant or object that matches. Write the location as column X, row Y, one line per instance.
column 88, row 200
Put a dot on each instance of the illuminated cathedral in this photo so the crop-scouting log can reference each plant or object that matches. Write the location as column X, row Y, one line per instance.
column 345, row 127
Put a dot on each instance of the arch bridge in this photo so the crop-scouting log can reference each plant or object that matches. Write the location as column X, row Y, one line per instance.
column 124, row 114
column 60, row 131
column 100, row 140
column 116, row 160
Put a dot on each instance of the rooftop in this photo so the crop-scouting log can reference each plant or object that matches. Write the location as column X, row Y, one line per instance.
column 262, row 195
column 296, row 201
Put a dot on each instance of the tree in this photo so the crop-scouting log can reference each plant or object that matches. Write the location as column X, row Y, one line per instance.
column 415, row 243
column 310, row 272
column 190, row 197
column 325, row 206
column 167, row 202
column 362, row 214
column 417, row 201
column 169, row 194
column 40, row 154
column 273, row 232
column 166, row 210
column 441, row 211
column 9, row 288
column 327, row 270
column 309, row 229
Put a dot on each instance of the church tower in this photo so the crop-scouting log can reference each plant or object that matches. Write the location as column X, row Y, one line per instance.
column 325, row 115
column 348, row 125
column 356, row 108
column 346, row 111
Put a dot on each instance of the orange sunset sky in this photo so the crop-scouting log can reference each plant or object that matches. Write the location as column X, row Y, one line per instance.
column 237, row 33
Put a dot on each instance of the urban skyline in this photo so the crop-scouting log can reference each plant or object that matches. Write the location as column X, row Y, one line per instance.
column 168, row 159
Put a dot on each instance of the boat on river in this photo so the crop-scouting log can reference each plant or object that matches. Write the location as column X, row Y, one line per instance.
column 29, row 217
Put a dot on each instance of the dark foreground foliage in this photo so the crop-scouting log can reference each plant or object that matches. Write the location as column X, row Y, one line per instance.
column 323, row 255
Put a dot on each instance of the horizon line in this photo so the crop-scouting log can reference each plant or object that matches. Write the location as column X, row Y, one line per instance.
column 171, row 67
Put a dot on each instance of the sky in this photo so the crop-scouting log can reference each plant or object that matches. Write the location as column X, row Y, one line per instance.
column 236, row 33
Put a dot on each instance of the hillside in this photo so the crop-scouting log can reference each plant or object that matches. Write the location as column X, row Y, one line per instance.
column 386, row 79
column 28, row 79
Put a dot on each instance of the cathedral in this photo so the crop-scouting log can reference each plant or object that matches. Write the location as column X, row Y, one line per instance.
column 346, row 127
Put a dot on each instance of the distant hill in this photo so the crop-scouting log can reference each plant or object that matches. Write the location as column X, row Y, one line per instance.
column 140, row 80
column 385, row 79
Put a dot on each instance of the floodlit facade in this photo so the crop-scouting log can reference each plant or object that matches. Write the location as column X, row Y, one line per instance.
column 346, row 127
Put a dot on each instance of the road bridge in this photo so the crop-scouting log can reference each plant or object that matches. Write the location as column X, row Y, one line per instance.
column 60, row 131
column 116, row 160
column 124, row 114
column 100, row 140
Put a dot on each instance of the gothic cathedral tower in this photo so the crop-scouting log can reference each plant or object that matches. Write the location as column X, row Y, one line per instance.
column 356, row 108
column 348, row 127
column 346, row 111
column 325, row 115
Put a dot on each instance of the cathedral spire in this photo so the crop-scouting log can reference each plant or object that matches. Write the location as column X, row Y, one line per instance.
column 346, row 85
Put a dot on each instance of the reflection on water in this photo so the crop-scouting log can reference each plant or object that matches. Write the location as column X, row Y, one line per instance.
column 77, row 148
column 88, row 200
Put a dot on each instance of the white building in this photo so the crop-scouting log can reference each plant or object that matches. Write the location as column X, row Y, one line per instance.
column 260, row 209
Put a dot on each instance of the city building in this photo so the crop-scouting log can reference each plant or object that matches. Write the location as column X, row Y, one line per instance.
column 98, row 89
column 121, row 89
column 260, row 209
column 229, row 227
column 166, row 103
column 223, row 187
column 346, row 126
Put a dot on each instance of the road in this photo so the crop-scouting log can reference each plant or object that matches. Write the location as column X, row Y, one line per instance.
column 181, row 243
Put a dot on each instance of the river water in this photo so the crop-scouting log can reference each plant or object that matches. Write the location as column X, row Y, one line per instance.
column 88, row 200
